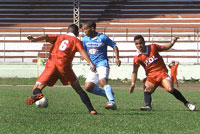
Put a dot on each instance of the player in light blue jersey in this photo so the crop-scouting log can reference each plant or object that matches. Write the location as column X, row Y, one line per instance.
column 96, row 46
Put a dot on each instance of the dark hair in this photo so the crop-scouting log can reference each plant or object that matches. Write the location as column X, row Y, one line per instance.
column 91, row 24
column 137, row 37
column 73, row 28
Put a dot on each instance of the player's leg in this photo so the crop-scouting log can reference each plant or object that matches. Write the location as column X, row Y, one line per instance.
column 68, row 77
column 48, row 78
column 103, row 80
column 91, row 84
column 37, row 93
column 110, row 96
column 84, row 97
column 37, row 88
column 93, row 88
column 168, row 86
column 149, row 88
column 176, row 82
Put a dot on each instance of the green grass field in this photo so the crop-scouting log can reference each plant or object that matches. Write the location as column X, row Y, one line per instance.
column 67, row 115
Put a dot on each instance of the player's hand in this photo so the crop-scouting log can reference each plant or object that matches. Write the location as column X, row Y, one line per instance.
column 118, row 62
column 30, row 37
column 93, row 68
column 174, row 41
column 82, row 58
column 176, row 38
column 131, row 88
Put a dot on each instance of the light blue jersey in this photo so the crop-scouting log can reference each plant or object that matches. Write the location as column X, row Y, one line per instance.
column 97, row 48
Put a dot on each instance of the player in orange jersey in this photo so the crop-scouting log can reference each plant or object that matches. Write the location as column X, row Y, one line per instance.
column 156, row 71
column 59, row 65
column 173, row 66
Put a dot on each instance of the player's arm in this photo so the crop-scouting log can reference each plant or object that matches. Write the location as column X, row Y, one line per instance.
column 82, row 58
column 176, row 62
column 85, row 48
column 169, row 45
column 87, row 58
column 117, row 60
column 170, row 64
column 133, row 79
column 40, row 38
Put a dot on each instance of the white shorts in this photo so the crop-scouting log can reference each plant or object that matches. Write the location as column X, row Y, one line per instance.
column 169, row 78
column 102, row 72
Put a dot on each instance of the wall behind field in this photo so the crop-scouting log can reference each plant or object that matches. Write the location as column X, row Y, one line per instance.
column 123, row 72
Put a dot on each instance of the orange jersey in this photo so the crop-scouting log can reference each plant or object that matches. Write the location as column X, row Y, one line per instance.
column 64, row 47
column 151, row 61
column 58, row 65
column 174, row 72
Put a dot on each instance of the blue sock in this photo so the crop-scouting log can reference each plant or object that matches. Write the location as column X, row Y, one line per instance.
column 109, row 93
column 99, row 91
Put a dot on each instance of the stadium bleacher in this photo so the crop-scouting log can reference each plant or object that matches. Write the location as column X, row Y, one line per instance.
column 158, row 21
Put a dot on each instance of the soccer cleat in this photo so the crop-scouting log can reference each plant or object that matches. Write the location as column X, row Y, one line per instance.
column 146, row 108
column 34, row 98
column 190, row 106
column 110, row 105
column 93, row 112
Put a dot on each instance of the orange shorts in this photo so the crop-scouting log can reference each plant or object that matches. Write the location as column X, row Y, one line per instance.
column 53, row 72
column 157, row 79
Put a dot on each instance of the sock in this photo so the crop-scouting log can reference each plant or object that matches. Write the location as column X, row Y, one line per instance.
column 179, row 96
column 99, row 91
column 109, row 93
column 147, row 98
column 36, row 91
column 85, row 99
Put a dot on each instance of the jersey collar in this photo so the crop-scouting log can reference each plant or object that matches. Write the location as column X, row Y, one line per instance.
column 146, row 53
column 98, row 34
column 71, row 34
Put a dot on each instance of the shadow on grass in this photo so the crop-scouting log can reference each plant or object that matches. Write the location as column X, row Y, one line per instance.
column 110, row 112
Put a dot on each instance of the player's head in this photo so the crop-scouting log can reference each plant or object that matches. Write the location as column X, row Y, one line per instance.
column 137, row 37
column 89, row 28
column 172, row 63
column 73, row 29
column 139, row 42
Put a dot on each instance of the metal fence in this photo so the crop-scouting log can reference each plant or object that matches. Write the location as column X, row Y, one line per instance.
column 188, row 43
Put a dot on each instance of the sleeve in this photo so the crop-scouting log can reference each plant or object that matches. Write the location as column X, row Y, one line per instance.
column 79, row 44
column 52, row 38
column 109, row 42
column 136, row 63
column 159, row 47
column 84, row 45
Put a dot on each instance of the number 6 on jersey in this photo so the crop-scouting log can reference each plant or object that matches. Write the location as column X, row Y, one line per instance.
column 63, row 45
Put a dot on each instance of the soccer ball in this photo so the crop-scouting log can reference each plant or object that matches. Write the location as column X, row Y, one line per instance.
column 42, row 103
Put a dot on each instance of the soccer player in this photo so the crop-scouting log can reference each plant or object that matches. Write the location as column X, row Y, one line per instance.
column 95, row 45
column 156, row 71
column 59, row 65
column 173, row 66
